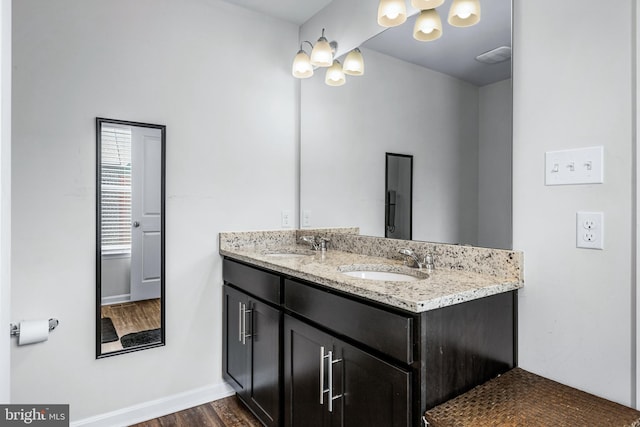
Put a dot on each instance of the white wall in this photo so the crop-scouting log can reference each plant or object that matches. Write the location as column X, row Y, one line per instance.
column 573, row 88
column 494, row 165
column 395, row 107
column 115, row 277
column 219, row 78
column 5, row 193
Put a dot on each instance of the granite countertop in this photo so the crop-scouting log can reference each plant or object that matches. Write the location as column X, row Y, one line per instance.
column 443, row 287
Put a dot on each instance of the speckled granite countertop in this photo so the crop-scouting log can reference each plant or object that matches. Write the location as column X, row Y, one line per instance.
column 450, row 283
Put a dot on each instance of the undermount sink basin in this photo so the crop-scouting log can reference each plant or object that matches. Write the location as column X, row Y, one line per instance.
column 387, row 273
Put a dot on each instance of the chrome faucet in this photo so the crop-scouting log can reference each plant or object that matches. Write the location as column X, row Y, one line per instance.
column 412, row 260
column 317, row 243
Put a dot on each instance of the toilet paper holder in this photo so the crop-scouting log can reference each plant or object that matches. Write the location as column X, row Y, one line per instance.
column 15, row 328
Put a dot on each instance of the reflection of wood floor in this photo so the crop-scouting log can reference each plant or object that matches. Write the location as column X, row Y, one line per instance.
column 228, row 412
column 131, row 317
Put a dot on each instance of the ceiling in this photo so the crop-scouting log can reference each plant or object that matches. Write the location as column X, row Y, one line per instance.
column 454, row 53
column 295, row 11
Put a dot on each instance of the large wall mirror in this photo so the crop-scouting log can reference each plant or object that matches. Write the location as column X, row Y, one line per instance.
column 130, row 182
column 434, row 101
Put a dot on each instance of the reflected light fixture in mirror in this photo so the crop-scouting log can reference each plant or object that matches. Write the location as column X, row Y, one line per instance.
column 391, row 13
column 354, row 63
column 322, row 54
column 335, row 76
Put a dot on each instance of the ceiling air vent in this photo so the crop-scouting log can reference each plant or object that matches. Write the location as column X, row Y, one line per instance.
column 499, row 54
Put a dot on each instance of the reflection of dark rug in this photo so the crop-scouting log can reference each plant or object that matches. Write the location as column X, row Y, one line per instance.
column 108, row 331
column 140, row 338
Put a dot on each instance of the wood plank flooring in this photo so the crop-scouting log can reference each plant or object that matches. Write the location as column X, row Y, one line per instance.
column 227, row 412
column 131, row 317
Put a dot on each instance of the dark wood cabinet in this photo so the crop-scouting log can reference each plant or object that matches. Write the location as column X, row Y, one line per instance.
column 289, row 344
column 329, row 382
column 252, row 353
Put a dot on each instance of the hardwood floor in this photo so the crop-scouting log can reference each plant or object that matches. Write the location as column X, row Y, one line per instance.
column 227, row 412
column 131, row 317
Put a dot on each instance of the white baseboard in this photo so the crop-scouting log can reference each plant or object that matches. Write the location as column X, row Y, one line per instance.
column 157, row 408
column 116, row 299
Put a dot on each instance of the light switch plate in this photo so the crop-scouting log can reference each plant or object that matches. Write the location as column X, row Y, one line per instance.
column 590, row 230
column 579, row 166
column 286, row 219
column 306, row 218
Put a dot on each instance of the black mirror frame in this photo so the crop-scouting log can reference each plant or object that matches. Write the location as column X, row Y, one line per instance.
column 386, row 190
column 162, row 342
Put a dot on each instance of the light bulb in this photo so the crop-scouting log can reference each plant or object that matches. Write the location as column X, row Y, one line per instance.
column 301, row 68
column 354, row 63
column 464, row 13
column 335, row 76
column 321, row 54
column 428, row 26
column 391, row 13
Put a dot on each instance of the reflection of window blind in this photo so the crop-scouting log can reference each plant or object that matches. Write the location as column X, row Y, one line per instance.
column 115, row 182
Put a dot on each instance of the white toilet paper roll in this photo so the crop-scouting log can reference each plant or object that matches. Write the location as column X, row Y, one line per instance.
column 32, row 331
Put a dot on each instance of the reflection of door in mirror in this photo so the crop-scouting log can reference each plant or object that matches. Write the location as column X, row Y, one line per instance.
column 398, row 196
column 130, row 241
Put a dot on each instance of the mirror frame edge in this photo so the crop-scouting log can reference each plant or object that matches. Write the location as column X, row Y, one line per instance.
column 386, row 189
column 98, row 329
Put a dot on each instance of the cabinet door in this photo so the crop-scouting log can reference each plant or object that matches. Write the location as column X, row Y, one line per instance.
column 374, row 393
column 264, row 338
column 235, row 353
column 302, row 361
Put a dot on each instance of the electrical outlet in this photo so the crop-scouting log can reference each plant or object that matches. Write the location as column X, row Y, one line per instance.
column 590, row 230
column 286, row 219
column 306, row 218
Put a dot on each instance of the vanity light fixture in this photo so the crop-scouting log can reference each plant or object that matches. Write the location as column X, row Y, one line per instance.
column 335, row 76
column 392, row 13
column 464, row 13
column 428, row 26
column 354, row 63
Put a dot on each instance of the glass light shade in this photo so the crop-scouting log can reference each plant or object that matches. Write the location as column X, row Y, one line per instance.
column 426, row 4
column 354, row 63
column 391, row 13
column 428, row 26
column 335, row 76
column 302, row 67
column 321, row 54
column 464, row 13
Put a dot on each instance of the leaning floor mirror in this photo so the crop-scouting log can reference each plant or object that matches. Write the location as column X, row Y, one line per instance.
column 130, row 235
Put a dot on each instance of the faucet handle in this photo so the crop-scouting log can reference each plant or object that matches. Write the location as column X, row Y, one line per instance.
column 428, row 262
column 322, row 242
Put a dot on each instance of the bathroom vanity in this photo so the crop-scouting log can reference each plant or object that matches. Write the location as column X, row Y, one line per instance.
column 307, row 345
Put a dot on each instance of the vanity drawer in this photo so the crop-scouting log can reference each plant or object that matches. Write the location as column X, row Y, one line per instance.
column 259, row 283
column 379, row 329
